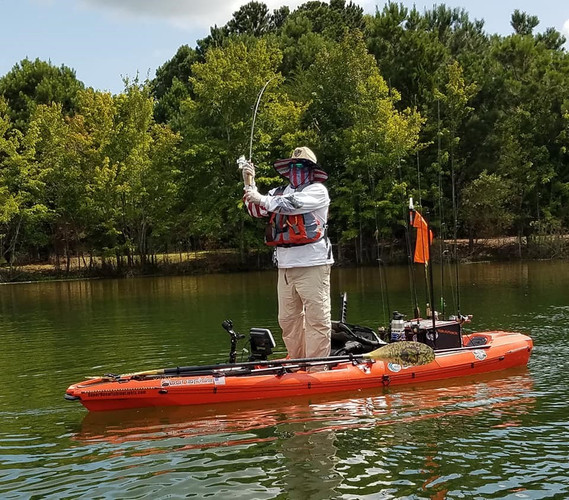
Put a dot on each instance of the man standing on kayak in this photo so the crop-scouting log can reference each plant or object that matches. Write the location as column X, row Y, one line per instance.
column 297, row 228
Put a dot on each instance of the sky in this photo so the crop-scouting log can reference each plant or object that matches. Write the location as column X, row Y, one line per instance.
column 105, row 41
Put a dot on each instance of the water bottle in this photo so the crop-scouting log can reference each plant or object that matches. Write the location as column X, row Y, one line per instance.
column 397, row 327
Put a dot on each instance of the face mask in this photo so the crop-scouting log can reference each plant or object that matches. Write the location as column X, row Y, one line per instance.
column 299, row 174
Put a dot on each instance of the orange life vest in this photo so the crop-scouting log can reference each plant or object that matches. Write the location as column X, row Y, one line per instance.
column 285, row 230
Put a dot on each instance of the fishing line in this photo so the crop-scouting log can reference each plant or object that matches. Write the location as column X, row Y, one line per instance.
column 443, row 230
column 382, row 274
column 412, row 283
column 455, row 216
column 256, row 108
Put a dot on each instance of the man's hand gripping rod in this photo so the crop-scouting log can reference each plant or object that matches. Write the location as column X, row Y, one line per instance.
column 248, row 179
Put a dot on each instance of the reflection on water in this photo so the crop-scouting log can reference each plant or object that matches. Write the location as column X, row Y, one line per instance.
column 407, row 405
column 308, row 438
column 496, row 436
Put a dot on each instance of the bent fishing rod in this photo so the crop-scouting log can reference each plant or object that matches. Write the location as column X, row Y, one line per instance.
column 242, row 161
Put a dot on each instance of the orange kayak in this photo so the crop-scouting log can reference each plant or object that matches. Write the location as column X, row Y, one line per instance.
column 486, row 352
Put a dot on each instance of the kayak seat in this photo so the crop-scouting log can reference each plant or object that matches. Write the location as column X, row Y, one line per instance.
column 353, row 339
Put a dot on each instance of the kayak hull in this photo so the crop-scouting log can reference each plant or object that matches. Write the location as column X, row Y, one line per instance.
column 503, row 350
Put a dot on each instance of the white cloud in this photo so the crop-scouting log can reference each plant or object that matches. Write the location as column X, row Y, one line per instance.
column 189, row 14
column 182, row 13
column 565, row 29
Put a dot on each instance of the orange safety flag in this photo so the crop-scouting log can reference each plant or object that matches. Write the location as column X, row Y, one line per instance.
column 423, row 243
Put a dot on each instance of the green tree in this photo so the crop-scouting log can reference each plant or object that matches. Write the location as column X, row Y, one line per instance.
column 64, row 184
column 30, row 83
column 172, row 84
column 299, row 44
column 252, row 18
column 414, row 52
column 130, row 166
column 216, row 130
column 413, row 49
column 485, row 206
column 21, row 187
column 128, row 178
column 521, row 112
column 453, row 111
column 523, row 23
column 560, row 189
column 362, row 139
column 332, row 20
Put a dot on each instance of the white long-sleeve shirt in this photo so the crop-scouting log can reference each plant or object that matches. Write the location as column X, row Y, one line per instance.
column 311, row 199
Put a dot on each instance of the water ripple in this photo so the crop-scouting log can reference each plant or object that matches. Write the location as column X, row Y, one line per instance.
column 496, row 436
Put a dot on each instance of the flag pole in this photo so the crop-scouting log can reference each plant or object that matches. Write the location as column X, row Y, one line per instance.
column 423, row 255
column 410, row 260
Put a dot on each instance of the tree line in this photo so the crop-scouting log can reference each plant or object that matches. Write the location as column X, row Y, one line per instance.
column 400, row 103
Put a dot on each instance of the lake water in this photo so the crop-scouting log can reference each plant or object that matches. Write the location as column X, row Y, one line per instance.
column 496, row 436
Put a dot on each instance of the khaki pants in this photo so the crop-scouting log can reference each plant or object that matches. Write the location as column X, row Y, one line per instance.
column 304, row 310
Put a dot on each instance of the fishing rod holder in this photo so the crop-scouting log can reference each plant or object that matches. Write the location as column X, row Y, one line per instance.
column 235, row 337
column 261, row 341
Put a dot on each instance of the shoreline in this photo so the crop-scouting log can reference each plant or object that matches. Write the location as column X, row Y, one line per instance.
column 231, row 261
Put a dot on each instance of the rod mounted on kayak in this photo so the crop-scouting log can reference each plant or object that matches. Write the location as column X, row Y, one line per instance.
column 404, row 353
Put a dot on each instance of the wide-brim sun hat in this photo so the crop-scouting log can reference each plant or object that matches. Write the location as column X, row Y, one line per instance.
column 301, row 155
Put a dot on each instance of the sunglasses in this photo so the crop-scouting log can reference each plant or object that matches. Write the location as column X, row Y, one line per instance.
column 297, row 164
